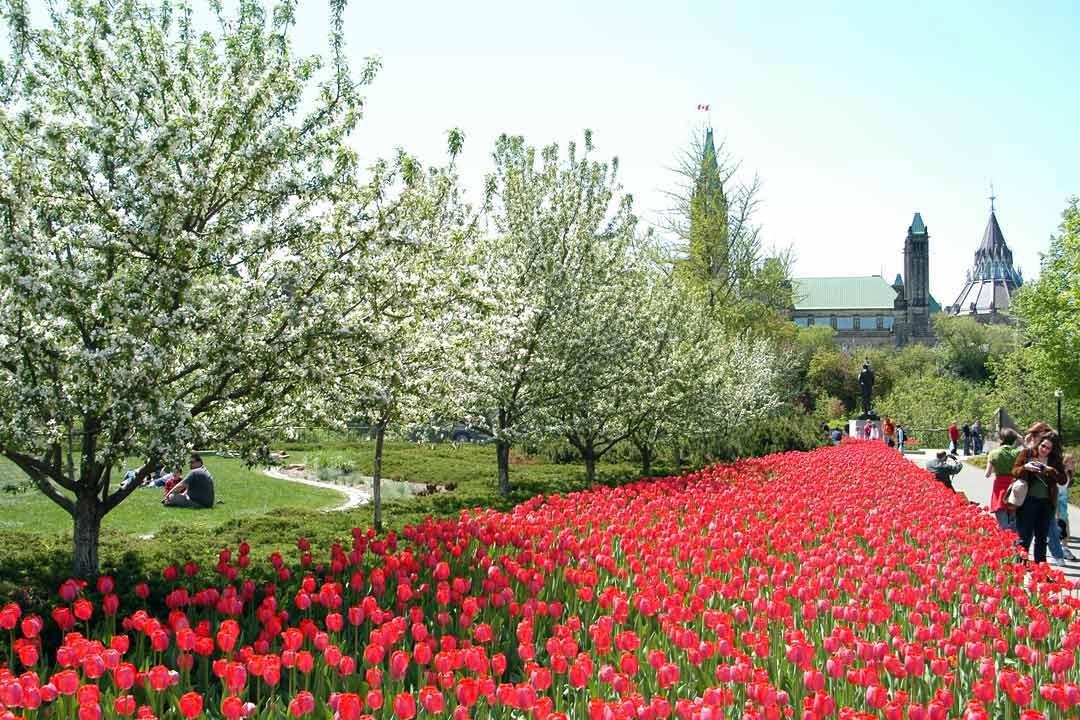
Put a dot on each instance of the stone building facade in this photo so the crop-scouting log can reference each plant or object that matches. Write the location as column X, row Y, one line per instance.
column 866, row 311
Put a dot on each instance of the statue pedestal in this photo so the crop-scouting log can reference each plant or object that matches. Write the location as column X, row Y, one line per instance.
column 857, row 426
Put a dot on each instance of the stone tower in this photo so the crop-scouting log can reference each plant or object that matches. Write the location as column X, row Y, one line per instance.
column 917, row 278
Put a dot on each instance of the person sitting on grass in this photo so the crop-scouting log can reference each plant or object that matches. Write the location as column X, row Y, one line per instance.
column 196, row 490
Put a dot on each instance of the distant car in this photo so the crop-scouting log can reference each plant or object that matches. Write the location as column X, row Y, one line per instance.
column 463, row 433
column 455, row 432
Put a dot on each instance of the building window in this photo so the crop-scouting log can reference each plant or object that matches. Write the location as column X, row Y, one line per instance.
column 810, row 321
column 844, row 323
column 832, row 321
column 887, row 321
column 800, row 321
column 879, row 322
column 856, row 322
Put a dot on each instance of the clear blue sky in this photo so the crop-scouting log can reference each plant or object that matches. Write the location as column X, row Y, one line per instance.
column 855, row 115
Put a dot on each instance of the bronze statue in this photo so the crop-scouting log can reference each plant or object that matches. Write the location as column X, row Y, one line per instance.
column 866, row 386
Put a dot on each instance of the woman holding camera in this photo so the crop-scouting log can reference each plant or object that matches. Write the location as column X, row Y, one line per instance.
column 1040, row 466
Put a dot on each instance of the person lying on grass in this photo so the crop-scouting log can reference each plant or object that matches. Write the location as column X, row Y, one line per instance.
column 196, row 490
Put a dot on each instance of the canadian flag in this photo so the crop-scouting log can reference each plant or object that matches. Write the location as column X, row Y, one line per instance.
column 702, row 107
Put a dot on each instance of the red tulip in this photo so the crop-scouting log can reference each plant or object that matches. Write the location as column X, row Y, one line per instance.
column 31, row 626
column 232, row 707
column 89, row 712
column 404, row 706
column 88, row 695
column 160, row 678
column 9, row 616
column 191, row 705
column 70, row 590
column 431, row 699
column 66, row 682
column 302, row 704
column 347, row 706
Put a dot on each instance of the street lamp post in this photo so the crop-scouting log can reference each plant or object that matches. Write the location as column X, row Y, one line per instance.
column 1059, row 394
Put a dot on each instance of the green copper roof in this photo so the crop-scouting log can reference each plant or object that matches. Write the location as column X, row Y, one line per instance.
column 867, row 292
column 852, row 293
column 918, row 227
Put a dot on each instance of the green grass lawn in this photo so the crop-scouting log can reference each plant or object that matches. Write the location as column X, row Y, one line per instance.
column 242, row 493
column 35, row 535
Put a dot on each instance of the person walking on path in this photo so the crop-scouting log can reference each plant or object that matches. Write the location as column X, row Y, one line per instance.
column 1041, row 468
column 901, row 438
column 999, row 465
column 977, row 437
column 1069, row 461
column 888, row 429
column 966, row 432
column 954, row 438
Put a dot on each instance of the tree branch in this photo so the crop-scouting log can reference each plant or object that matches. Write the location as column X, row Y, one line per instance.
column 40, row 468
column 38, row 473
column 126, row 489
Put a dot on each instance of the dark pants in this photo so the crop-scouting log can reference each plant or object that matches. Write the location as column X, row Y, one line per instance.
column 182, row 500
column 1033, row 521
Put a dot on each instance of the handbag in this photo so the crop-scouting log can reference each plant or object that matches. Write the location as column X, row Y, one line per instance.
column 1017, row 493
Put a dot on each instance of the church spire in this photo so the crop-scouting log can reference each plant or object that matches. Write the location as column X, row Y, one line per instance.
column 708, row 156
column 709, row 180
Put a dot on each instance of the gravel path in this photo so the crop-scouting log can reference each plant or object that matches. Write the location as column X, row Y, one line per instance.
column 355, row 496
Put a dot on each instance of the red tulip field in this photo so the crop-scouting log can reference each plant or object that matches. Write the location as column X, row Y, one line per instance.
column 841, row 583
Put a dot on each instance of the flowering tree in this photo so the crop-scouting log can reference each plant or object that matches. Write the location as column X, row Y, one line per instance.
column 697, row 380
column 548, row 213
column 408, row 313
column 173, row 205
column 599, row 387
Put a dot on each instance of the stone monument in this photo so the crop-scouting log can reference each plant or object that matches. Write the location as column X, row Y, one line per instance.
column 857, row 426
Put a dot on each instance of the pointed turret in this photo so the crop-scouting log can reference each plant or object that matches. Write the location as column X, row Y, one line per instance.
column 993, row 241
column 917, row 227
column 992, row 280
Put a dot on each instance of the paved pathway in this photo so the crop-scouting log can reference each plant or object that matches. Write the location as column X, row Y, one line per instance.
column 354, row 496
column 972, row 482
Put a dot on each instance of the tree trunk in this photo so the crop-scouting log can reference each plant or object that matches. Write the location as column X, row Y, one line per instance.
column 87, row 534
column 589, row 456
column 646, row 453
column 376, row 475
column 502, row 454
column 678, row 459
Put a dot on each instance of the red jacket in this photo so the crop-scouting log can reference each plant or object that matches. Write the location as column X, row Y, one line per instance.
column 954, row 434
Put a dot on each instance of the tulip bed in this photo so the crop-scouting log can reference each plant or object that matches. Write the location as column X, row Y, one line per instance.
column 841, row 583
